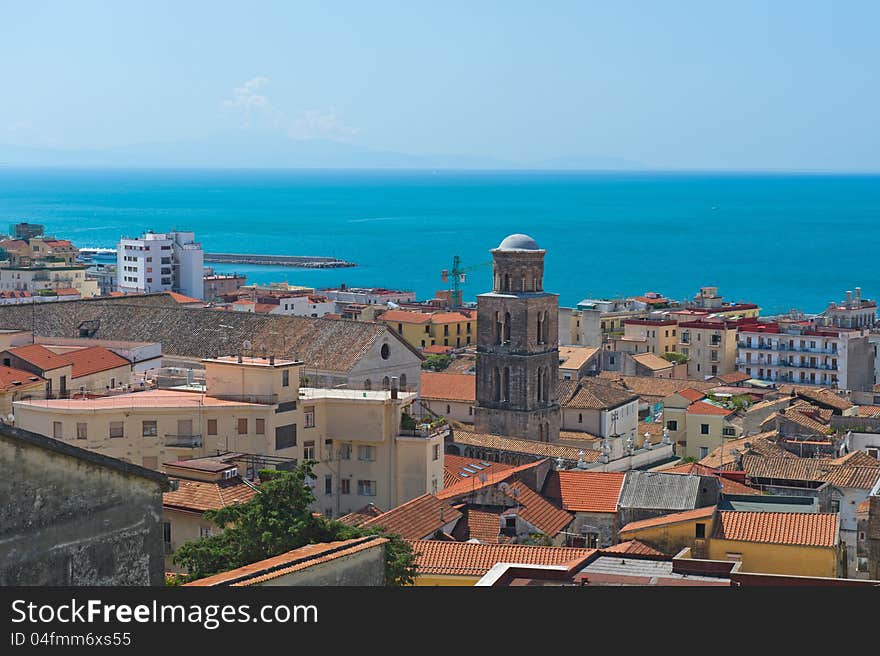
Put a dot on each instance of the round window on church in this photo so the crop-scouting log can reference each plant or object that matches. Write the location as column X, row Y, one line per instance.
column 386, row 351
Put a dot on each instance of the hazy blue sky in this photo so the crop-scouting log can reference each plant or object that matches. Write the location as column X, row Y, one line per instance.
column 768, row 84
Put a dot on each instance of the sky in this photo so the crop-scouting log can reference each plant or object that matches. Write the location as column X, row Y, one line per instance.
column 670, row 84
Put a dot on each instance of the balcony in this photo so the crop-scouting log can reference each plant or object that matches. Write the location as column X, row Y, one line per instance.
column 183, row 441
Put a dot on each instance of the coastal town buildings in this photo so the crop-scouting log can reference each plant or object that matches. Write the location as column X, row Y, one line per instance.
column 218, row 285
column 423, row 329
column 156, row 262
column 517, row 347
column 368, row 295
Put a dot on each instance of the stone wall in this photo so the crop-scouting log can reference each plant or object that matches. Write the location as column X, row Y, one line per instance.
column 72, row 517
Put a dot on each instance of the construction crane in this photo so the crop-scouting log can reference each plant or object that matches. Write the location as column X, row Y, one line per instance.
column 458, row 275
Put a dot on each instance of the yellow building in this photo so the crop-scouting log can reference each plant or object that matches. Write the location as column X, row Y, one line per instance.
column 15, row 385
column 709, row 425
column 659, row 335
column 710, row 345
column 422, row 329
column 255, row 407
column 793, row 543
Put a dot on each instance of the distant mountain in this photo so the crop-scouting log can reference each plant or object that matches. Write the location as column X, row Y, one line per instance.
column 246, row 150
column 591, row 164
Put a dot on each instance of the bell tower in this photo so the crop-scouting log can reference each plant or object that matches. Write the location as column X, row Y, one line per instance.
column 518, row 347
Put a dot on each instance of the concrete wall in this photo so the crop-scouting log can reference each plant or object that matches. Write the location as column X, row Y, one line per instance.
column 365, row 567
column 766, row 558
column 68, row 518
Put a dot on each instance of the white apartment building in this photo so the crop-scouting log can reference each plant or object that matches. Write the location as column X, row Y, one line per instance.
column 368, row 295
column 801, row 353
column 161, row 262
column 305, row 306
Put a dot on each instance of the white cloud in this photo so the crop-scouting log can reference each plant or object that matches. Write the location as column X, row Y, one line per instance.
column 256, row 111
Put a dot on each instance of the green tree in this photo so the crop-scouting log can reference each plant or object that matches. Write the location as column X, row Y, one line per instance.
column 277, row 520
column 437, row 362
column 675, row 357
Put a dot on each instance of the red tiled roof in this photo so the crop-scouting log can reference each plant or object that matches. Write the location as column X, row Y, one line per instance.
column 41, row 357
column 437, row 349
column 633, row 547
column 358, row 517
column 673, row 518
column 808, row 529
column 404, row 316
column 475, row 559
column 67, row 291
column 449, row 387
column 298, row 559
column 200, row 496
column 416, row 519
column 537, row 511
column 451, row 317
column 17, row 378
column 470, row 485
column 585, row 491
column 703, row 408
column 183, row 299
column 454, row 472
column 479, row 524
column 94, row 359
column 691, row 394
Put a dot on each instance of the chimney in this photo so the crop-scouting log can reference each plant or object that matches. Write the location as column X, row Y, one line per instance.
column 272, row 359
column 858, row 296
column 394, row 387
column 239, row 358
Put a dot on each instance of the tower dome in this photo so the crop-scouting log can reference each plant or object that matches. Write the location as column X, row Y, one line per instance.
column 518, row 242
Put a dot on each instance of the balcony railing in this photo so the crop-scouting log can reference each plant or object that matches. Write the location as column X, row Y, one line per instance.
column 183, row 441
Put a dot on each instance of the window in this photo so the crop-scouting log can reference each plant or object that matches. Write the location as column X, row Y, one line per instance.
column 166, row 535
column 448, row 409
column 436, row 455
column 149, row 429
column 204, row 532
column 672, row 424
column 309, row 450
column 285, row 378
column 704, row 429
column 116, row 429
column 861, row 564
column 704, row 451
column 701, row 531
column 345, row 451
column 835, row 505
column 285, row 436
column 367, row 488
column 261, row 426
column 728, row 431
column 57, row 431
column 735, row 557
column 385, row 351
column 81, row 430
column 328, row 484
column 368, row 384
column 242, row 426
column 345, row 486
column 309, row 417
column 366, row 452
column 212, row 427
column 591, row 540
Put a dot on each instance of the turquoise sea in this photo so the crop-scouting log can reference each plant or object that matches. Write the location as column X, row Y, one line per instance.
column 782, row 241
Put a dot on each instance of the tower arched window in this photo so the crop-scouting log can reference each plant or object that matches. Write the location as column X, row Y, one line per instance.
column 505, row 385
column 496, row 383
column 499, row 328
column 507, row 282
column 540, row 335
column 386, row 383
column 403, row 382
column 546, row 386
column 507, row 327
column 368, row 384
column 540, row 382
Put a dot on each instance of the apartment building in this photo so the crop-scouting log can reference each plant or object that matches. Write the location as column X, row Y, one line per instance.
column 854, row 312
column 368, row 295
column 44, row 267
column 657, row 335
column 254, row 409
column 593, row 320
column 159, row 262
column 422, row 329
column 708, row 301
column 710, row 346
column 800, row 352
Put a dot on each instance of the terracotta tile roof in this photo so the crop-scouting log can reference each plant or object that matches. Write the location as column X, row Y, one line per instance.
column 728, row 486
column 652, row 361
column 703, row 408
column 449, row 387
column 325, row 344
column 467, row 486
column 437, row 349
column 11, row 379
column 863, row 478
column 404, row 316
column 156, row 398
column 181, row 298
column 575, row 357
column 652, row 388
column 292, row 561
column 94, row 359
column 199, row 496
column 869, row 411
column 515, row 445
column 808, row 529
column 592, row 394
column 732, row 377
column 67, row 291
column 823, row 397
column 857, row 459
column 811, row 469
column 674, row 518
column 451, row 317
column 265, row 308
column 479, row 524
column 416, row 519
column 537, row 511
column 358, row 517
column 691, row 394
column 633, row 547
column 475, row 559
column 864, row 506
column 454, row 468
column 760, row 444
column 802, row 419
column 585, row 491
column 39, row 356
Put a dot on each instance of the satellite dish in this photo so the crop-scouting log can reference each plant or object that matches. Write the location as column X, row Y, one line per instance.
column 504, row 486
column 10, row 417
